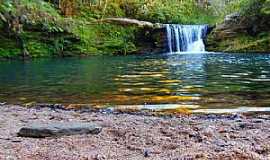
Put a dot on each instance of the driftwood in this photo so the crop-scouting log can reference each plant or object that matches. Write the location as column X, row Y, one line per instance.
column 132, row 22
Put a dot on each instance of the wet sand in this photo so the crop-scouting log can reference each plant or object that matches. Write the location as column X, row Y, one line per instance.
column 136, row 136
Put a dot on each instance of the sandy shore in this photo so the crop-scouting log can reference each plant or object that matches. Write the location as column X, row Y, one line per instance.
column 137, row 137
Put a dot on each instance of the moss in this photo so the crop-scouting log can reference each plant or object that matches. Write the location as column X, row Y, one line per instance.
column 39, row 49
column 105, row 39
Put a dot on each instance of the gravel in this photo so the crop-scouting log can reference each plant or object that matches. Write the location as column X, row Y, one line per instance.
column 136, row 136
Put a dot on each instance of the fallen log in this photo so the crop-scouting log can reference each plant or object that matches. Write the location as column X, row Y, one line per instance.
column 132, row 22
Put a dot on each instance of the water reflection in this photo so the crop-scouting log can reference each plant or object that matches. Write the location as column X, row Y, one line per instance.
column 191, row 70
column 207, row 81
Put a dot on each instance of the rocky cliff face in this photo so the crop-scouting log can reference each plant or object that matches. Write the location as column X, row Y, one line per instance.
column 152, row 40
column 241, row 34
column 150, row 37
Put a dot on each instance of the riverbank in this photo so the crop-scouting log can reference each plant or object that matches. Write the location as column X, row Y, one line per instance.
column 137, row 136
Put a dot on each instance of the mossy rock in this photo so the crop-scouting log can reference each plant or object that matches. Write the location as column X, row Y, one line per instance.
column 239, row 43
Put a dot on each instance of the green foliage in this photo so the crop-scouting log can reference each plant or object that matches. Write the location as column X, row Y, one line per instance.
column 114, row 10
column 173, row 11
column 105, row 39
column 187, row 12
column 8, row 47
column 38, row 45
column 38, row 49
column 266, row 8
column 7, row 6
column 35, row 11
column 162, row 11
column 252, row 7
column 248, row 7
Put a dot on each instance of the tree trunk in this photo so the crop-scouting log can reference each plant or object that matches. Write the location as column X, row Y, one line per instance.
column 104, row 9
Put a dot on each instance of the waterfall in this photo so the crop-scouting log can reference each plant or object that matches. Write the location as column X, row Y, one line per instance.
column 186, row 38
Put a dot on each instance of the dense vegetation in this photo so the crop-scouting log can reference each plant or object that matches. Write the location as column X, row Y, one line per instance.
column 43, row 28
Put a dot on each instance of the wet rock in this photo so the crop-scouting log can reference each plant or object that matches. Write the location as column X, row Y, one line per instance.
column 41, row 130
column 2, row 103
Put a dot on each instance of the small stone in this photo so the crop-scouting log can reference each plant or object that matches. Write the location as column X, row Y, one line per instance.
column 99, row 157
column 55, row 129
column 242, row 125
column 2, row 103
column 222, row 130
column 51, row 118
column 257, row 121
column 16, row 141
column 146, row 153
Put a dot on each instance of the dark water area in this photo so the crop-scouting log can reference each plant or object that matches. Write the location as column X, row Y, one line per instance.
column 208, row 82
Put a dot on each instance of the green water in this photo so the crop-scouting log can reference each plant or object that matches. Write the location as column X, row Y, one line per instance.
column 196, row 81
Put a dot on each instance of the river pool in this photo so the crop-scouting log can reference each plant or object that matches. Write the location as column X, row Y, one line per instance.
column 207, row 82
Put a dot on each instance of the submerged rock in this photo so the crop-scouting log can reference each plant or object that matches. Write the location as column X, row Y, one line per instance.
column 55, row 129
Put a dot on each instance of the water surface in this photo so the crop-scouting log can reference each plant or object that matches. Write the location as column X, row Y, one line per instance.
column 201, row 82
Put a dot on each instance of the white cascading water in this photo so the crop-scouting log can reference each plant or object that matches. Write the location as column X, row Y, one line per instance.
column 186, row 38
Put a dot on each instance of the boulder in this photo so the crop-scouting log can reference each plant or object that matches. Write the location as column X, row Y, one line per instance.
column 56, row 129
column 229, row 27
column 240, row 33
column 232, row 18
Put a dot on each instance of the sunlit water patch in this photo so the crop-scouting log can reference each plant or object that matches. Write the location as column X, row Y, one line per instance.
column 197, row 82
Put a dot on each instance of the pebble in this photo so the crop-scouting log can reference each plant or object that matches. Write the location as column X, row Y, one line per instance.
column 2, row 103
column 146, row 153
column 99, row 157
column 257, row 121
column 242, row 125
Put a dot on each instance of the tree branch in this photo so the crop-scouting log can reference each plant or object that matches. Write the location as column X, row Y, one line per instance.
column 3, row 18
